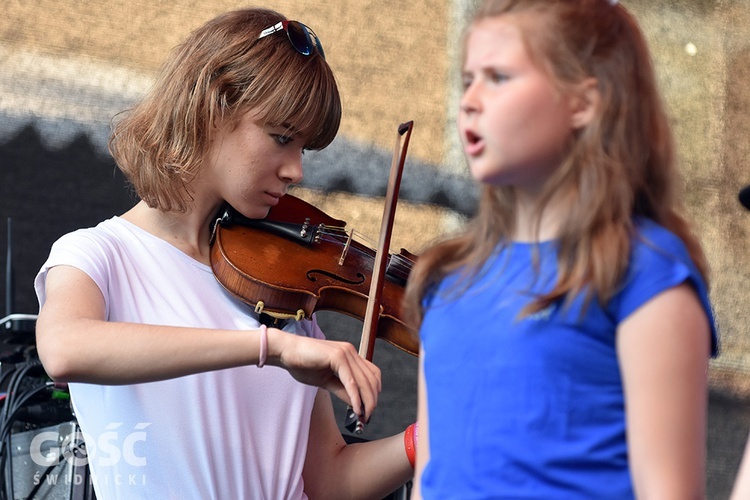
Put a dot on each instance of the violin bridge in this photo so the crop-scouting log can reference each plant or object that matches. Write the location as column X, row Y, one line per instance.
column 345, row 250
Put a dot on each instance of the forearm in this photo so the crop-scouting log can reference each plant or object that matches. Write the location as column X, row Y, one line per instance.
column 95, row 351
column 366, row 470
column 369, row 470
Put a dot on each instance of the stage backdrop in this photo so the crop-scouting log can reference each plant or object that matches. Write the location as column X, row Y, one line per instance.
column 67, row 67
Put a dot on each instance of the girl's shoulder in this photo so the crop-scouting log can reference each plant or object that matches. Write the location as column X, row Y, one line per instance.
column 107, row 229
column 110, row 233
column 655, row 246
column 660, row 260
column 95, row 248
column 651, row 234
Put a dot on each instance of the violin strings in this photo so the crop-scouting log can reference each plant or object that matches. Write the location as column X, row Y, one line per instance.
column 340, row 233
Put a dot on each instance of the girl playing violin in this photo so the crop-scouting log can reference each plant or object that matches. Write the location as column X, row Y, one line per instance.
column 566, row 333
column 165, row 368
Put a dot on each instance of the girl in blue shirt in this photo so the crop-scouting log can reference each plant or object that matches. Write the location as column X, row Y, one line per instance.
column 566, row 333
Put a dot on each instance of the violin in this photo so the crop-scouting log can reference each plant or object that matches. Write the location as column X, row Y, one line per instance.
column 299, row 260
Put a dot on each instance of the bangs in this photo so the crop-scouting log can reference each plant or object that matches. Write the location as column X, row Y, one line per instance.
column 300, row 94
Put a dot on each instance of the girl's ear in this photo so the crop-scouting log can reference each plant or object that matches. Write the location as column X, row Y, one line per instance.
column 584, row 103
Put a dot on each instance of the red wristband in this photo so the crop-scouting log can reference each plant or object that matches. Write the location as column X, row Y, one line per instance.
column 411, row 437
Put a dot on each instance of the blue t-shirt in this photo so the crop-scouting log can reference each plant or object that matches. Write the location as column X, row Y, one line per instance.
column 534, row 408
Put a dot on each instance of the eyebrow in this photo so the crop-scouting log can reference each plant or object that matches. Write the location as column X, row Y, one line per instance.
column 290, row 127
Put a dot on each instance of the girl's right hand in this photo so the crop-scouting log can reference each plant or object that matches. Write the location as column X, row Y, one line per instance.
column 331, row 365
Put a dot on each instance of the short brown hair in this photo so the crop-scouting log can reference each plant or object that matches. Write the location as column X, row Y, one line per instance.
column 219, row 72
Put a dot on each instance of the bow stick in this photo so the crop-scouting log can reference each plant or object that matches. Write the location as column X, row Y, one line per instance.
column 372, row 313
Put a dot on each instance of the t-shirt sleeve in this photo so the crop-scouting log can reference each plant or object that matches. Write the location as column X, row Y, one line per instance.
column 659, row 262
column 81, row 249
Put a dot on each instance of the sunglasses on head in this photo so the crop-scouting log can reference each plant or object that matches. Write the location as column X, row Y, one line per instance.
column 302, row 38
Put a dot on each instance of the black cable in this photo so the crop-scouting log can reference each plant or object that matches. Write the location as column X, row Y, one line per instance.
column 8, row 374
column 8, row 425
column 14, row 401
column 4, row 447
column 5, row 438
column 13, row 389
column 43, row 476
column 7, row 490
column 13, row 385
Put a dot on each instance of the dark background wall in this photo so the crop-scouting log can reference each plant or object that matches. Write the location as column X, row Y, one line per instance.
column 48, row 192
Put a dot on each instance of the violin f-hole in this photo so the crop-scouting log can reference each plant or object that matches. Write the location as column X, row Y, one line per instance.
column 312, row 272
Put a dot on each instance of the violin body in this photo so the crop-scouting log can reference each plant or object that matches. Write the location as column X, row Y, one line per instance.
column 298, row 260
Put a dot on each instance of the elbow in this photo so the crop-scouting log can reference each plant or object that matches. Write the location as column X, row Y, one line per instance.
column 57, row 355
column 57, row 371
column 56, row 367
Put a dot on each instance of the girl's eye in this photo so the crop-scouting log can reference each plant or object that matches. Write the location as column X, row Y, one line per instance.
column 283, row 140
column 466, row 82
column 498, row 77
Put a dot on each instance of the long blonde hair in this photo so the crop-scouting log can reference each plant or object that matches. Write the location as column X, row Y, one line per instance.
column 619, row 166
column 219, row 71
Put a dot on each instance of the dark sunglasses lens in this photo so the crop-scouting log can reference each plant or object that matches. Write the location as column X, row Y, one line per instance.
column 300, row 38
column 317, row 43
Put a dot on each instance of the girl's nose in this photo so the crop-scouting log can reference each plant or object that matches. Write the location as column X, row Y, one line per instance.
column 292, row 169
column 470, row 99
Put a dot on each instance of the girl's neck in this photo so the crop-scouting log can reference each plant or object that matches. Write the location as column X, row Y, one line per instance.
column 189, row 232
column 530, row 227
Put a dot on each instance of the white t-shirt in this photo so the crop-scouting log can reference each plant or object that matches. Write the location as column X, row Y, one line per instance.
column 239, row 433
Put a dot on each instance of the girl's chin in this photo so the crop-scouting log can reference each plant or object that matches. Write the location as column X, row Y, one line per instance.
column 485, row 175
column 254, row 212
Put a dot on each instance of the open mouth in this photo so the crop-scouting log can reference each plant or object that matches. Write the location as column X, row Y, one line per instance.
column 473, row 143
